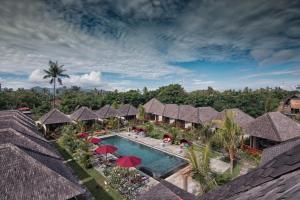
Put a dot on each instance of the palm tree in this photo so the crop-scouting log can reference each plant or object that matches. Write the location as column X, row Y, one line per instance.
column 229, row 135
column 141, row 113
column 55, row 72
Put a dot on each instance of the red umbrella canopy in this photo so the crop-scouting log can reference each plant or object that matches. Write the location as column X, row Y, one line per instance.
column 129, row 161
column 95, row 140
column 105, row 149
column 83, row 135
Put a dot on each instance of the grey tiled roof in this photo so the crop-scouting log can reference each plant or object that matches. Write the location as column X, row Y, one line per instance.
column 166, row 191
column 106, row 112
column 271, row 152
column 207, row 114
column 83, row 114
column 127, row 110
column 154, row 107
column 23, row 177
column 171, row 111
column 241, row 118
column 55, row 117
column 274, row 126
column 277, row 179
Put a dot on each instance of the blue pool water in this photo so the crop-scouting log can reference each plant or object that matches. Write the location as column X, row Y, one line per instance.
column 159, row 163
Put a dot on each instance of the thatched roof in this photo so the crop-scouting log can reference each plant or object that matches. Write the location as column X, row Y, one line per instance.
column 154, row 107
column 274, row 151
column 188, row 113
column 276, row 179
column 107, row 112
column 127, row 110
column 23, row 141
column 23, row 177
column 274, row 126
column 83, row 114
column 166, row 191
column 241, row 118
column 207, row 114
column 55, row 117
column 295, row 96
column 18, row 115
column 171, row 111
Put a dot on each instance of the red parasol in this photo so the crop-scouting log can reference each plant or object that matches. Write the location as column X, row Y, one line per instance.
column 105, row 149
column 95, row 140
column 129, row 161
column 83, row 135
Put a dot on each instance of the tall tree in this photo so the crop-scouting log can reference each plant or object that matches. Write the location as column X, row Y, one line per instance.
column 55, row 73
column 229, row 135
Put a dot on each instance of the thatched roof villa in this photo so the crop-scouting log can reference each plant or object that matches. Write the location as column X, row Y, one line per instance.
column 272, row 128
column 25, row 154
column 207, row 114
column 291, row 105
column 106, row 112
column 240, row 117
column 276, row 179
column 170, row 113
column 154, row 110
column 84, row 114
column 128, row 112
column 54, row 119
column 187, row 116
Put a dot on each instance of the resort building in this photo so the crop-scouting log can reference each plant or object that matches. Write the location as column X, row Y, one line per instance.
column 128, row 112
column 170, row 114
column 291, row 105
column 54, row 119
column 272, row 128
column 84, row 114
column 188, row 116
column 278, row 178
column 30, row 167
column 240, row 118
column 107, row 112
column 184, row 116
column 154, row 110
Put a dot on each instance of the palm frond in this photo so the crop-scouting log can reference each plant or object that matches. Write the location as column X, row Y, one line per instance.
column 59, row 81
column 51, row 81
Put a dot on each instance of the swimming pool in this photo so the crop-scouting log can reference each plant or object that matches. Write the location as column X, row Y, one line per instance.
column 159, row 163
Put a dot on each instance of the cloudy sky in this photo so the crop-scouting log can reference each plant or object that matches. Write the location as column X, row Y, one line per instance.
column 128, row 44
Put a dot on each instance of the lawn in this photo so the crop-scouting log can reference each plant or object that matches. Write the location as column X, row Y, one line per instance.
column 90, row 178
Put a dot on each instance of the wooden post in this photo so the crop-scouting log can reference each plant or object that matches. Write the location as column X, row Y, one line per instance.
column 185, row 182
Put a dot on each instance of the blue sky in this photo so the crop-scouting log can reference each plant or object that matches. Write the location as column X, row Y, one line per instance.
column 129, row 44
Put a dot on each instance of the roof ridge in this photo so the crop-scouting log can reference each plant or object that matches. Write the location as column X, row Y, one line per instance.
column 274, row 127
column 82, row 110
column 50, row 113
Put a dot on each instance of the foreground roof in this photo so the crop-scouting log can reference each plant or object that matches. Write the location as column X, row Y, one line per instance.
column 207, row 114
column 107, row 111
column 171, row 111
column 188, row 113
column 241, row 118
column 55, row 117
column 276, row 179
column 166, row 191
column 274, row 126
column 154, row 107
column 127, row 110
column 83, row 114
column 23, row 177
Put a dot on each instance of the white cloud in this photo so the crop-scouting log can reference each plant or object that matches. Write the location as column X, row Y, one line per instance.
column 36, row 76
column 93, row 79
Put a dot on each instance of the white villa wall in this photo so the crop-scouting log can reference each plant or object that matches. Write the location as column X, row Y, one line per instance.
column 188, row 125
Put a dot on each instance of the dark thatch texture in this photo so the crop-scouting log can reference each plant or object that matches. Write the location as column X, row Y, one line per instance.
column 274, row 151
column 241, row 118
column 83, row 114
column 207, row 114
column 166, row 191
column 188, row 113
column 274, row 126
column 23, row 177
column 171, row 111
column 127, row 110
column 107, row 112
column 17, row 114
column 55, row 117
column 276, row 179
column 154, row 107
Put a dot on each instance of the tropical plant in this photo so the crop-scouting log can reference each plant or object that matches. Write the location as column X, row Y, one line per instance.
column 200, row 162
column 229, row 136
column 141, row 113
column 175, row 133
column 206, row 133
column 55, row 73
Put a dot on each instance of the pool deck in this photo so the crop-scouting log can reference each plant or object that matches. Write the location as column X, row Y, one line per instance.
column 177, row 177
